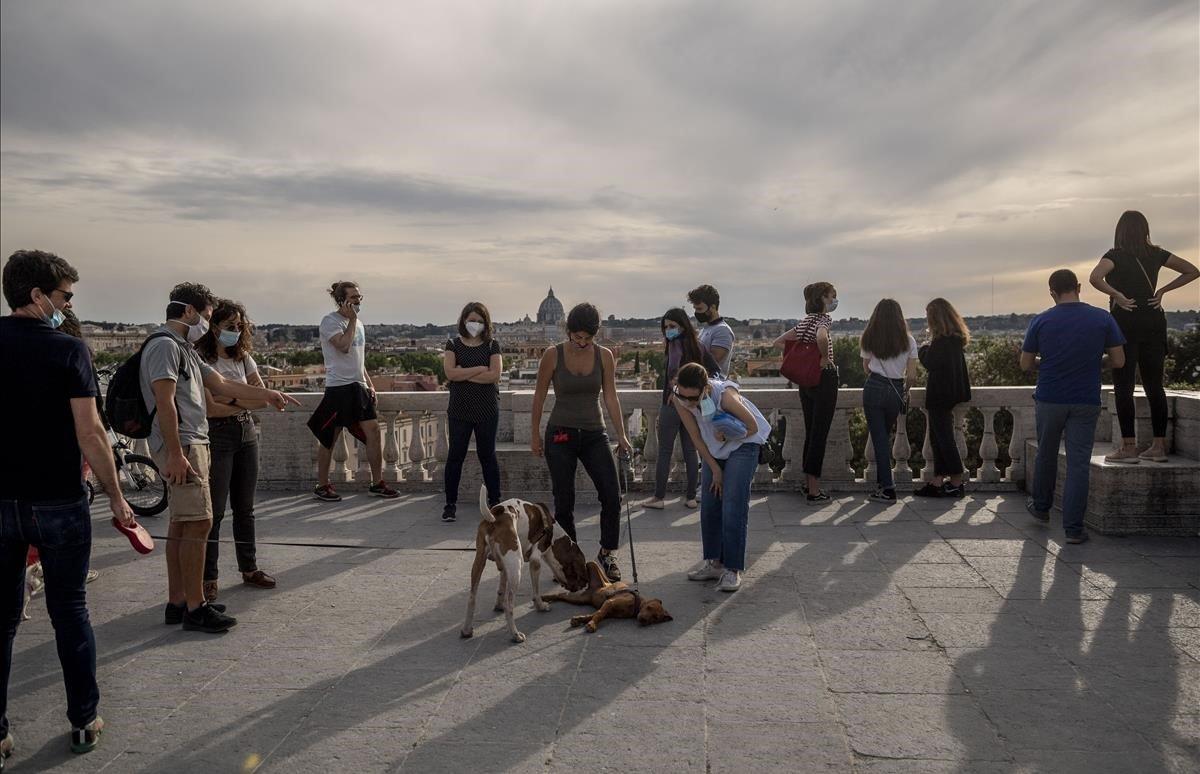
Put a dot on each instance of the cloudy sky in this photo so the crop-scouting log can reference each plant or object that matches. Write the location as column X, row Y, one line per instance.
column 439, row 152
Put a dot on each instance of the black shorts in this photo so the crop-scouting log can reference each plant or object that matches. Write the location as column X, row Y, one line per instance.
column 344, row 406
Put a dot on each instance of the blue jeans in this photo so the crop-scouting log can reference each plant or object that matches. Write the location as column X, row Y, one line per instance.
column 881, row 405
column 723, row 519
column 62, row 532
column 1077, row 421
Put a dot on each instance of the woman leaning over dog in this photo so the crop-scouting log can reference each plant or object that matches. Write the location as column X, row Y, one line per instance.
column 580, row 370
column 889, row 355
column 728, row 430
column 682, row 346
column 473, row 366
column 948, row 385
column 820, row 402
column 233, row 439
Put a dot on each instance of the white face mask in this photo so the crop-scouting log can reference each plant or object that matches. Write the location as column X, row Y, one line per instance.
column 197, row 329
column 474, row 328
column 832, row 305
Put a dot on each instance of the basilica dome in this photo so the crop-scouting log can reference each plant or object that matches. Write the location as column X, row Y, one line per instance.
column 551, row 310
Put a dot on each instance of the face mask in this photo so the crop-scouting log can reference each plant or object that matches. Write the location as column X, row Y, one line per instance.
column 707, row 407
column 357, row 308
column 228, row 338
column 703, row 317
column 671, row 334
column 832, row 305
column 197, row 329
column 474, row 328
column 56, row 317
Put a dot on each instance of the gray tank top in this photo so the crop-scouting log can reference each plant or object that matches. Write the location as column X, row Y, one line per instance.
column 577, row 398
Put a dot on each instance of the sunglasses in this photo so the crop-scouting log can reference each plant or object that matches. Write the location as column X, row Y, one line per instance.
column 686, row 398
column 66, row 294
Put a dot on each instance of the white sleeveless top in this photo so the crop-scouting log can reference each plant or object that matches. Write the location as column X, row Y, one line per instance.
column 717, row 449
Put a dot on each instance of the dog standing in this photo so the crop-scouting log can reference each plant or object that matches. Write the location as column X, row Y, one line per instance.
column 611, row 600
column 515, row 532
column 35, row 581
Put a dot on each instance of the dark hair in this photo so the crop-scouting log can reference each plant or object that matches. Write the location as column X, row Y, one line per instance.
column 886, row 335
column 688, row 338
column 337, row 291
column 705, row 294
column 693, row 376
column 478, row 308
column 584, row 318
column 193, row 293
column 1063, row 281
column 70, row 324
column 1133, row 234
column 814, row 297
column 29, row 269
column 209, row 345
column 944, row 320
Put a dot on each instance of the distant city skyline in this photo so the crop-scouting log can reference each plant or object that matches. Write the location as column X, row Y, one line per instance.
column 622, row 152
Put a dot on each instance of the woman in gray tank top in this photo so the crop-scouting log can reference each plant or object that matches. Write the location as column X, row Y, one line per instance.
column 580, row 371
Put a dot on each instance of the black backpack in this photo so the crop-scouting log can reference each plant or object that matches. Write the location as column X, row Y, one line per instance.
column 124, row 404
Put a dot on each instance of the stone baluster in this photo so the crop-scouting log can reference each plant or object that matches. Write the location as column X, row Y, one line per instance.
column 839, row 447
column 869, row 456
column 793, row 446
column 440, row 427
column 763, row 474
column 927, row 451
column 391, row 447
column 416, row 448
column 362, row 470
column 902, row 472
column 339, row 470
column 650, row 450
column 1016, row 447
column 960, row 438
column 988, row 472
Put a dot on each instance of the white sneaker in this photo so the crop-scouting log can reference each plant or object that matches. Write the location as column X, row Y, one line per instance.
column 692, row 504
column 731, row 580
column 709, row 569
column 654, row 503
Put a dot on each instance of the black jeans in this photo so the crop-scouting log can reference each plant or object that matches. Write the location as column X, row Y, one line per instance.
column 946, row 461
column 62, row 532
column 232, row 476
column 485, row 448
column 564, row 448
column 1145, row 352
column 819, row 404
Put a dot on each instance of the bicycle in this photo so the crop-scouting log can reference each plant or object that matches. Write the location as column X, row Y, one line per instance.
column 141, row 484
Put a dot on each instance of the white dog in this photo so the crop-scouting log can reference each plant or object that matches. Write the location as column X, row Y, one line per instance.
column 35, row 581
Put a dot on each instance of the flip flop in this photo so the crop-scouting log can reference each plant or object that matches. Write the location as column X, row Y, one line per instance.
column 139, row 538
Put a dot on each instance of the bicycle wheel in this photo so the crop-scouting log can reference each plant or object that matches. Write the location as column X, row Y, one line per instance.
column 144, row 489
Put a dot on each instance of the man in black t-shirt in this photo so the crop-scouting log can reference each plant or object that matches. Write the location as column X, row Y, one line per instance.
column 49, row 393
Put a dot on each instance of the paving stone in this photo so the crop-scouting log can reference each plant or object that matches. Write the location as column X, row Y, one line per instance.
column 958, row 600
column 1068, row 719
column 890, row 672
column 978, row 630
column 939, row 576
column 934, row 727
column 777, row 747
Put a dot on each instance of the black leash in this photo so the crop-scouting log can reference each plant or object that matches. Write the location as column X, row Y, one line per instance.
column 307, row 545
column 625, row 477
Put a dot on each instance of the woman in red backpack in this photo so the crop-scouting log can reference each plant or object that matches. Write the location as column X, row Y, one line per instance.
column 819, row 401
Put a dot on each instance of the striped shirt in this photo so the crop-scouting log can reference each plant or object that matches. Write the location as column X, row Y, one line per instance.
column 806, row 329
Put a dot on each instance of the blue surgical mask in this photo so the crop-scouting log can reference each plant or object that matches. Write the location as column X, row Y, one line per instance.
column 228, row 338
column 56, row 317
column 832, row 305
column 671, row 334
column 707, row 407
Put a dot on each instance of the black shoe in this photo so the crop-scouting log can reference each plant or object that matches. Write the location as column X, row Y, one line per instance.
column 954, row 491
column 929, row 490
column 325, row 492
column 448, row 513
column 820, row 498
column 173, row 615
column 207, row 618
column 884, row 495
column 608, row 563
column 1077, row 538
column 1042, row 516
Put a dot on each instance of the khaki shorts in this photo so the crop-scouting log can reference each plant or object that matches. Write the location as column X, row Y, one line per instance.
column 191, row 501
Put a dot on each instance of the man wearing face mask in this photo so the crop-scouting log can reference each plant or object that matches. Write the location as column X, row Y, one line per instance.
column 716, row 337
column 50, row 390
column 173, row 380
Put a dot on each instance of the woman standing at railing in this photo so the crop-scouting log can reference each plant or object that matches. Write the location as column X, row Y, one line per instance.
column 1128, row 274
column 580, row 370
column 682, row 346
column 473, row 366
column 889, row 355
column 949, row 384
column 233, row 439
column 729, row 431
column 819, row 402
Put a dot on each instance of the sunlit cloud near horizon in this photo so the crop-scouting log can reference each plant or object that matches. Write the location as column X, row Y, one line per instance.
column 440, row 152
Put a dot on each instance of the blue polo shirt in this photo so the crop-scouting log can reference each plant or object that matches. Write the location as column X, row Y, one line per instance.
column 1071, row 338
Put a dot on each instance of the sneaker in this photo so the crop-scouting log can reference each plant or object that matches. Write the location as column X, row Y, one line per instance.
column 731, row 580
column 881, row 495
column 654, row 503
column 709, row 569
column 92, row 575
column 448, row 513
column 207, row 618
column 85, row 739
column 1153, row 455
column 1077, row 538
column 325, row 492
column 383, row 490
column 929, row 490
column 692, row 504
column 1042, row 516
column 173, row 614
column 210, row 591
column 949, row 490
column 1123, row 455
column 608, row 563
column 820, row 498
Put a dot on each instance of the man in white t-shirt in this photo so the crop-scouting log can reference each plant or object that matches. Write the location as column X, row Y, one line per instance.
column 716, row 337
column 349, row 400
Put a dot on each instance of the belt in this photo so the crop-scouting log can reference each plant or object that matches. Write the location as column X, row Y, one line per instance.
column 243, row 418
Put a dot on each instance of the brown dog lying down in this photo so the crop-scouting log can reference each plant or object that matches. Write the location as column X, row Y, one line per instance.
column 611, row 600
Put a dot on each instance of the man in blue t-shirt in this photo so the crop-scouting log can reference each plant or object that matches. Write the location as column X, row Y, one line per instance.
column 1071, row 339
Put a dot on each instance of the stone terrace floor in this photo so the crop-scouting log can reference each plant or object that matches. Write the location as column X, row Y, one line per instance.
column 922, row 637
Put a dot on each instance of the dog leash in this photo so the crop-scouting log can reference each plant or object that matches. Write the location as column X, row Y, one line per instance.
column 625, row 459
column 360, row 546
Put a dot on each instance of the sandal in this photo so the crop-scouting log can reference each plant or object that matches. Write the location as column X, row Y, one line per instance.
column 258, row 578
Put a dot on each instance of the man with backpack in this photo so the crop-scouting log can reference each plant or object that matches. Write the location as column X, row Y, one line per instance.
column 50, row 392
column 173, row 378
